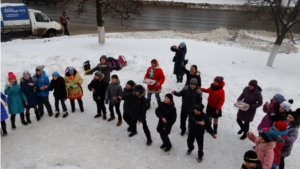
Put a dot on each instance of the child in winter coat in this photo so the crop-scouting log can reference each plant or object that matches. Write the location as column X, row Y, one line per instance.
column 127, row 93
column 138, row 108
column 114, row 90
column 251, row 161
column 4, row 115
column 166, row 112
column 60, row 93
column 192, row 73
column 216, row 98
column 28, row 88
column 265, row 144
column 269, row 108
column 97, row 86
column 73, row 82
column 180, row 52
column 280, row 130
column 16, row 99
column 284, row 109
column 192, row 96
column 41, row 83
column 293, row 122
column 198, row 123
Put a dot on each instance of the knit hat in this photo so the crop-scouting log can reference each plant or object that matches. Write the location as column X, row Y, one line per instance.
column 253, row 83
column 26, row 72
column 280, row 125
column 98, row 73
column 130, row 83
column 250, row 156
column 56, row 74
column 11, row 75
column 40, row 68
column 279, row 98
column 219, row 79
column 170, row 96
column 183, row 44
column 103, row 57
column 69, row 69
column 286, row 105
column 268, row 136
column 139, row 88
column 194, row 81
column 199, row 107
column 295, row 114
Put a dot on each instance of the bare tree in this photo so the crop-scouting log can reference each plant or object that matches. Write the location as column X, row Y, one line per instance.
column 120, row 9
column 284, row 13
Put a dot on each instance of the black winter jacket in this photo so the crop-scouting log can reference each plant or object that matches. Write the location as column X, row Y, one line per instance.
column 189, row 76
column 190, row 98
column 169, row 113
column 127, row 95
column 99, row 87
column 196, row 129
column 138, row 106
column 59, row 87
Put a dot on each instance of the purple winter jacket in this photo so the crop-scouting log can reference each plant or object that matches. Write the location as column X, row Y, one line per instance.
column 266, row 121
column 254, row 99
column 292, row 137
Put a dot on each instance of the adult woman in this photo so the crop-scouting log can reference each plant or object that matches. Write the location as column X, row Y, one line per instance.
column 73, row 82
column 193, row 73
column 179, row 58
column 252, row 96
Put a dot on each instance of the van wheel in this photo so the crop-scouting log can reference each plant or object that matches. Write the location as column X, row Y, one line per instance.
column 51, row 34
column 25, row 1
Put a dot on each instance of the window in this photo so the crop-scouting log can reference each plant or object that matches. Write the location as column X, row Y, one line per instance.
column 40, row 17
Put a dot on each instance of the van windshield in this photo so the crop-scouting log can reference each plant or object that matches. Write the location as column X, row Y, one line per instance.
column 40, row 17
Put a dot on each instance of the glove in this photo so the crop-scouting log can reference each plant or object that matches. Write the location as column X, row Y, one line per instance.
column 72, row 85
column 106, row 101
column 185, row 62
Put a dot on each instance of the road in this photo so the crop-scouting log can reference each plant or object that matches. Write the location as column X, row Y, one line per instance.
column 158, row 18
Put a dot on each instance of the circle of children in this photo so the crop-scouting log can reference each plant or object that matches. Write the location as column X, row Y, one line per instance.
column 277, row 131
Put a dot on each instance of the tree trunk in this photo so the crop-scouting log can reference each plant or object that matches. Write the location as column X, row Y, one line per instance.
column 101, row 35
column 277, row 45
column 100, row 22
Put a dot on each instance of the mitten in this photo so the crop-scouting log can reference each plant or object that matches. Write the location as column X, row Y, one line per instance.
column 72, row 85
column 106, row 101
column 185, row 62
column 279, row 139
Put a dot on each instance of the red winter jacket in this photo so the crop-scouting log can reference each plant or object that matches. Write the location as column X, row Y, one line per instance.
column 158, row 75
column 216, row 97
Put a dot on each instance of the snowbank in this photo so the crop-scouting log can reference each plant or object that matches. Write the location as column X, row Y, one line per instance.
column 82, row 142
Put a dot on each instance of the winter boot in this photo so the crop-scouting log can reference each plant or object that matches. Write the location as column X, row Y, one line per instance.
column 178, row 80
column 104, row 116
column 28, row 118
column 37, row 114
column 182, row 132
column 215, row 128
column 65, row 114
column 168, row 149
column 199, row 159
column 119, row 123
column 3, row 125
column 98, row 115
column 189, row 152
column 111, row 118
column 56, row 114
column 23, row 119
column 132, row 134
column 148, row 104
column 163, row 146
column 240, row 131
column 243, row 136
column 13, row 120
column 149, row 141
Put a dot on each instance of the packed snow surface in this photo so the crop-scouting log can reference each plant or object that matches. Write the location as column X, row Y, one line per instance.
column 82, row 142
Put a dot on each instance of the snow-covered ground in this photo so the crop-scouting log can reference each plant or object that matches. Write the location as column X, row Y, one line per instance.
column 82, row 142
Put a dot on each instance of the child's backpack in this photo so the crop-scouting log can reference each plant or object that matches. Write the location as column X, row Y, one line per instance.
column 117, row 64
column 87, row 66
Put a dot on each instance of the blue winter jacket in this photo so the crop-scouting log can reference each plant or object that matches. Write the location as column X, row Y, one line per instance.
column 16, row 99
column 29, row 92
column 40, row 81
column 4, row 115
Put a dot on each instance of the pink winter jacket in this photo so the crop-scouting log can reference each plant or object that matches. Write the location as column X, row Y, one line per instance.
column 264, row 151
